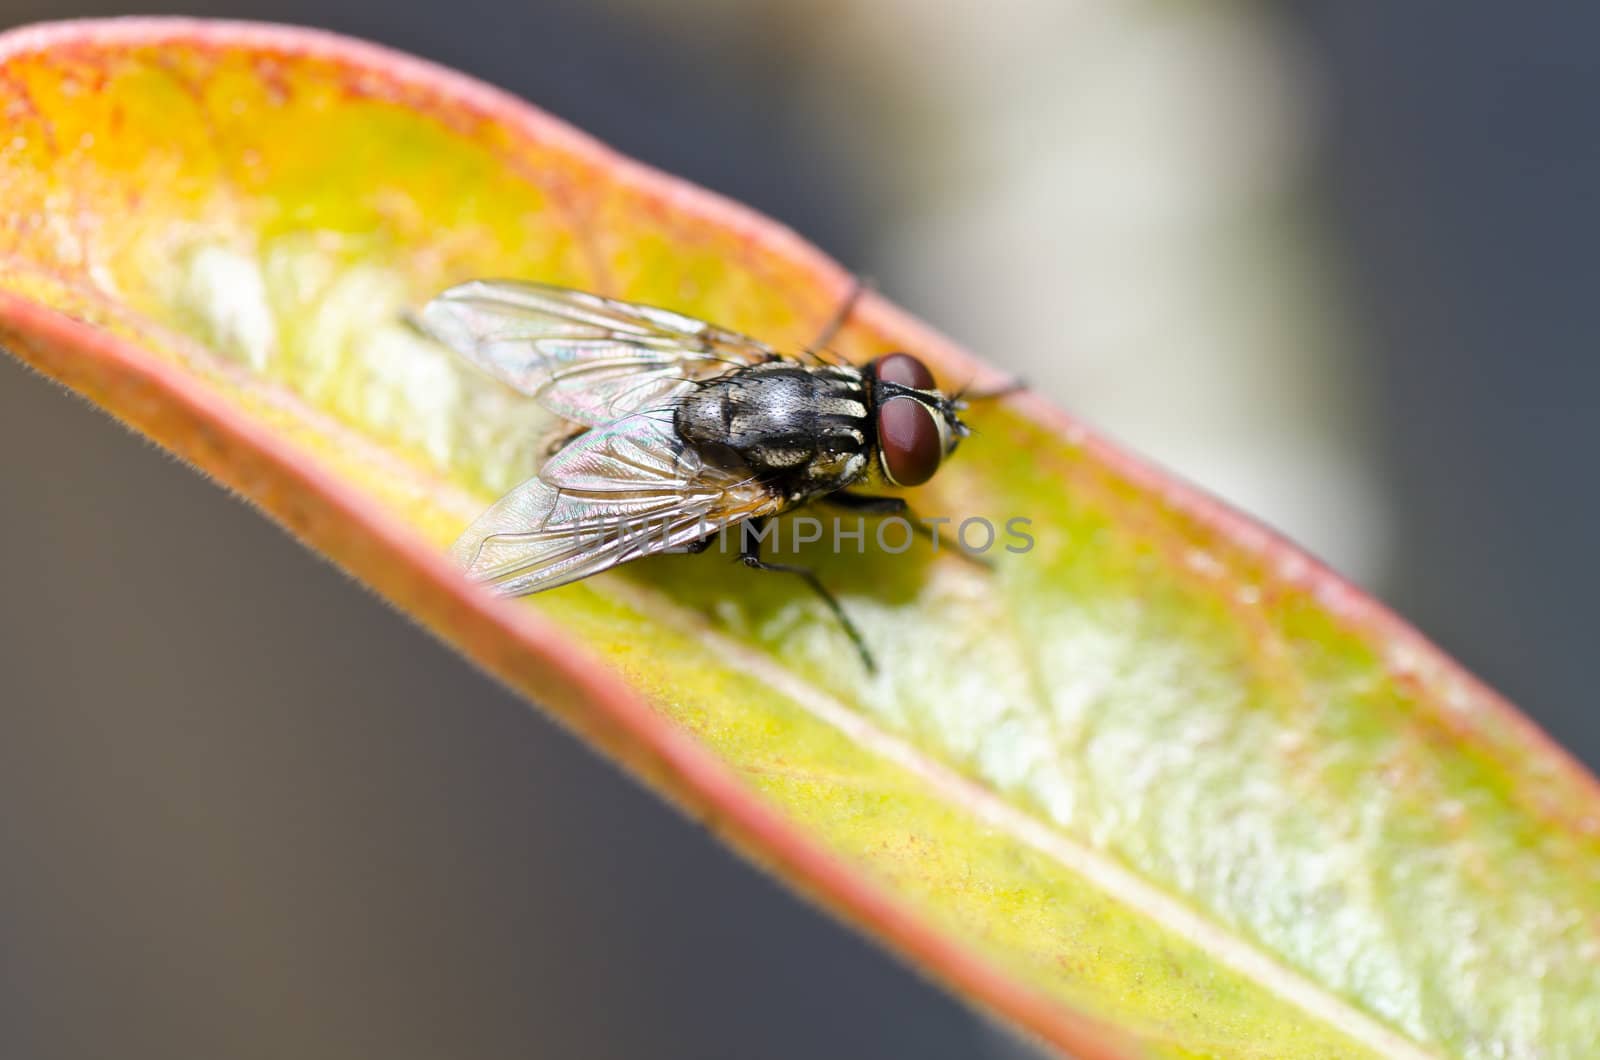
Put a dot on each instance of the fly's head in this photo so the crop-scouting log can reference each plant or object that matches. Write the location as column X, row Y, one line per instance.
column 918, row 426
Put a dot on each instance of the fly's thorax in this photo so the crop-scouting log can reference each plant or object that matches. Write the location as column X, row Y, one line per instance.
column 803, row 429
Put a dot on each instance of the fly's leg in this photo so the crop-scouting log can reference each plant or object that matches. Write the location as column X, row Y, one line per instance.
column 870, row 505
column 562, row 441
column 1015, row 386
column 701, row 545
column 750, row 556
column 857, row 286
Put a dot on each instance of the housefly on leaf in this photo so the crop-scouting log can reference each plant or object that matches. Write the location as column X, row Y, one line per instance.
column 679, row 430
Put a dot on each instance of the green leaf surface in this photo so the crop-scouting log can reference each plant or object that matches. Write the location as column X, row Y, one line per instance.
column 1160, row 785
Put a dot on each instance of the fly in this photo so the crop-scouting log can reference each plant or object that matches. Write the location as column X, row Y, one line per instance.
column 679, row 429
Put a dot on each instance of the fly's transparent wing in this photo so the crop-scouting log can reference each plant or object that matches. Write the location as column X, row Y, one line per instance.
column 616, row 493
column 584, row 357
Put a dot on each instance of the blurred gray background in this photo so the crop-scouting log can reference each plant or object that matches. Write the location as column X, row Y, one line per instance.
column 1335, row 261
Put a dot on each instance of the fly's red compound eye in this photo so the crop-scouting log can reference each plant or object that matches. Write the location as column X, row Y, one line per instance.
column 909, row 440
column 904, row 369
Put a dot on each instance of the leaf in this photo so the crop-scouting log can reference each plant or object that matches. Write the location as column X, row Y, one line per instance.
column 1161, row 785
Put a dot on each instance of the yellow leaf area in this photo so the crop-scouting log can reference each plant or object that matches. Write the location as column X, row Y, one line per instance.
column 1157, row 769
